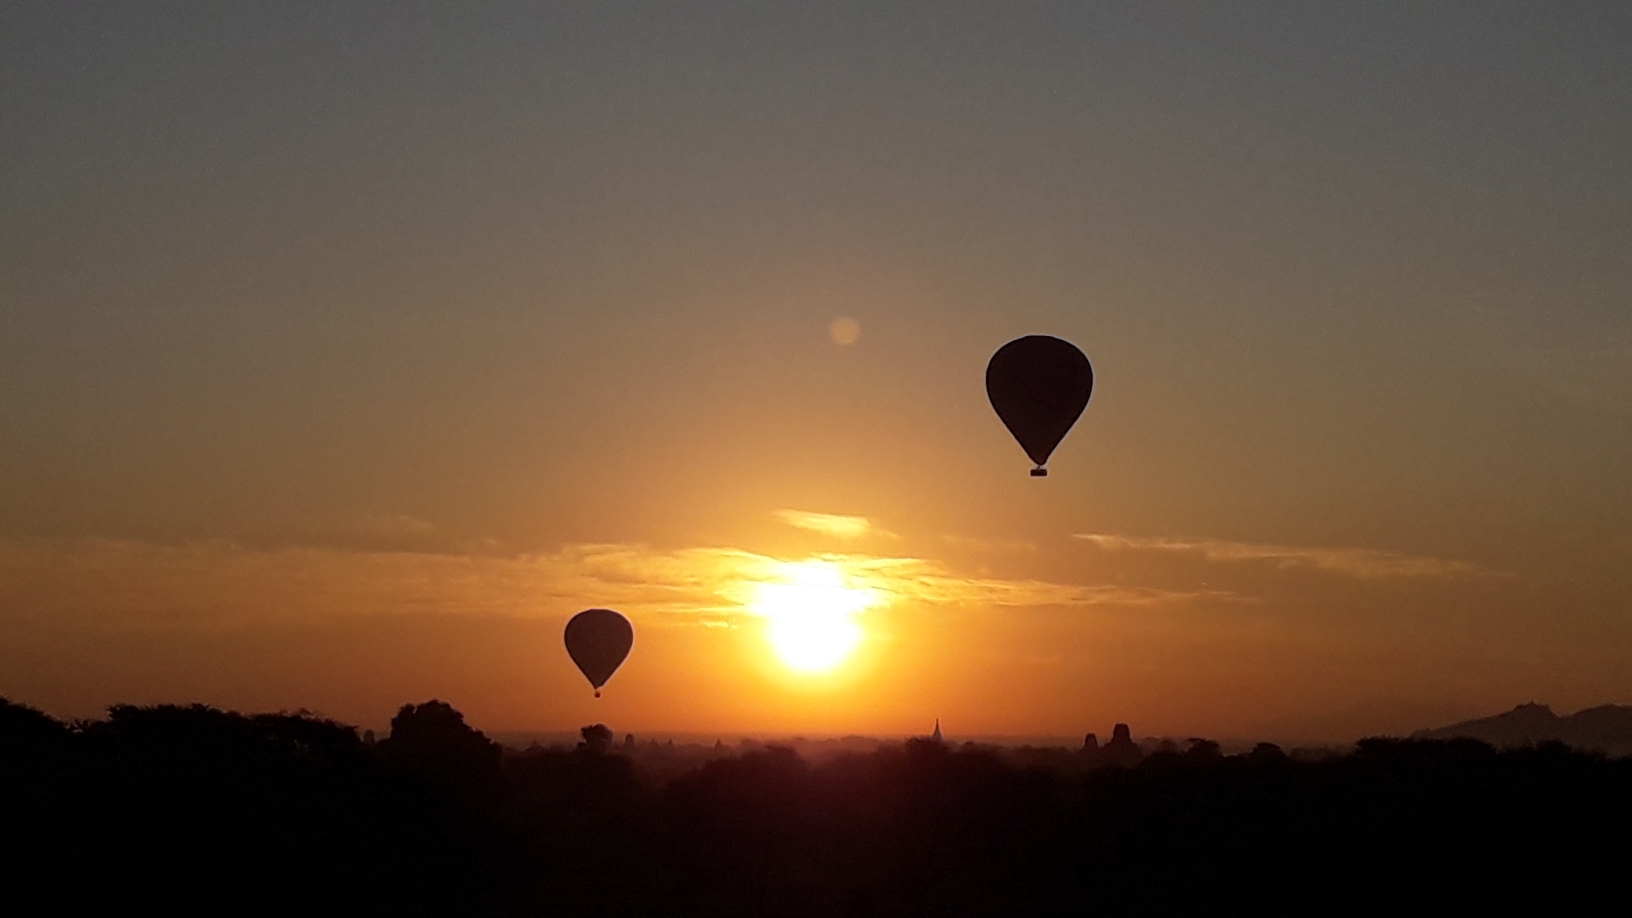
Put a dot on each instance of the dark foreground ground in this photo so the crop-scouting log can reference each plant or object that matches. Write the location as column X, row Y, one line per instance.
column 192, row 810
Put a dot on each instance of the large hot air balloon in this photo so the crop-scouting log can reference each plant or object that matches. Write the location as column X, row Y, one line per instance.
column 598, row 640
column 1039, row 385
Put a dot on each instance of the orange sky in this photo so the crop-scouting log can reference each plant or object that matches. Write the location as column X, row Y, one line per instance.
column 345, row 354
column 1041, row 636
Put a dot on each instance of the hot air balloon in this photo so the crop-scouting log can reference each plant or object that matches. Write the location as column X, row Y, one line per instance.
column 1039, row 385
column 598, row 640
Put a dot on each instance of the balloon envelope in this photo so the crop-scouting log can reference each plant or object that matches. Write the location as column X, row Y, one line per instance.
column 1039, row 385
column 598, row 640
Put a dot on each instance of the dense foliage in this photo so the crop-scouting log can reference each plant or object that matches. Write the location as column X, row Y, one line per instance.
column 173, row 810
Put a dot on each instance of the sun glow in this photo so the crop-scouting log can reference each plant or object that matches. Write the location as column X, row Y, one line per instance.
column 811, row 611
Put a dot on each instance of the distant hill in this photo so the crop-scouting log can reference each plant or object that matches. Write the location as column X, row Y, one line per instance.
column 1607, row 728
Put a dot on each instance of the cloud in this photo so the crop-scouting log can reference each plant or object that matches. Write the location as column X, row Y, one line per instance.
column 121, row 585
column 124, row 584
column 1364, row 563
column 715, row 582
column 829, row 524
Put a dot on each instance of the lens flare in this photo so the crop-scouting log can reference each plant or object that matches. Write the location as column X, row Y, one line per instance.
column 845, row 331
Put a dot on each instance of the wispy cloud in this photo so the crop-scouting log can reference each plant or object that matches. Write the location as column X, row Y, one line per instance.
column 714, row 581
column 125, row 584
column 1364, row 563
column 829, row 524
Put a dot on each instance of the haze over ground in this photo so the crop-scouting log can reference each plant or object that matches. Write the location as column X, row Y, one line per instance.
column 345, row 352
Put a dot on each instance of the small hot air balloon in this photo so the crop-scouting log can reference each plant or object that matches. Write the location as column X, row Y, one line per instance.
column 598, row 640
column 1039, row 385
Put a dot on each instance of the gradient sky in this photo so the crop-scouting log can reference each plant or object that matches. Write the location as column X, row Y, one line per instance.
column 347, row 350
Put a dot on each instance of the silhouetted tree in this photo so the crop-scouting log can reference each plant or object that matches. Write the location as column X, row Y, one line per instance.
column 597, row 739
column 187, row 809
column 433, row 742
column 1203, row 750
column 1267, row 752
column 25, row 731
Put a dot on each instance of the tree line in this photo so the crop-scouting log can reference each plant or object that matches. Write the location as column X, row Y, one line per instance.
column 187, row 809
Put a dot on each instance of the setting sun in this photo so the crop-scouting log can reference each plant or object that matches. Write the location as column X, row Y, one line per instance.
column 811, row 611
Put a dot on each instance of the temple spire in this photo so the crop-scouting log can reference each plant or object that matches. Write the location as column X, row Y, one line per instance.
column 936, row 736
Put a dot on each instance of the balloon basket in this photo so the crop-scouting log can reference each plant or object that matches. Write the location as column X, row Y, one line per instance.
column 1039, row 473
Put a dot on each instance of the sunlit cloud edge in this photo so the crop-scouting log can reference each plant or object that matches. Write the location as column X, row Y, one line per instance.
column 836, row 525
